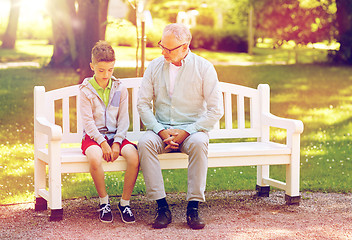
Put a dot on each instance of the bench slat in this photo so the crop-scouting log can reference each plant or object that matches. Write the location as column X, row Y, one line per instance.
column 220, row 155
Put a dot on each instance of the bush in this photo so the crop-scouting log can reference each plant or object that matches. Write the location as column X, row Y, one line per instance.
column 39, row 29
column 121, row 33
column 206, row 17
column 155, row 32
column 232, row 40
column 203, row 37
column 225, row 39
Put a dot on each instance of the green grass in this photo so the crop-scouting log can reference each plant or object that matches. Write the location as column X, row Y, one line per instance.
column 40, row 51
column 317, row 94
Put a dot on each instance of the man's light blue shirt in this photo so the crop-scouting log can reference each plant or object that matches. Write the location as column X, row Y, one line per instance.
column 196, row 103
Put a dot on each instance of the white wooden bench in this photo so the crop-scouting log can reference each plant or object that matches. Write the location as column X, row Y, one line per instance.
column 249, row 117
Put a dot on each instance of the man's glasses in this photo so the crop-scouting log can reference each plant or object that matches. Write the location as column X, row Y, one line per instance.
column 168, row 51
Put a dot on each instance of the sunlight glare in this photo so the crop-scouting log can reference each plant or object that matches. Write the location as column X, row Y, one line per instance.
column 33, row 9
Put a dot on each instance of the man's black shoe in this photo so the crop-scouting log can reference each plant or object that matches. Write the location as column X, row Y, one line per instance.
column 193, row 219
column 162, row 218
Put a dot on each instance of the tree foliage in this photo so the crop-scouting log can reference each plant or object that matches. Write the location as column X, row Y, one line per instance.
column 286, row 20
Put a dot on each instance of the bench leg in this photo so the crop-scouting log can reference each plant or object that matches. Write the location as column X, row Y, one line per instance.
column 262, row 191
column 292, row 200
column 292, row 196
column 40, row 204
column 54, row 173
column 56, row 215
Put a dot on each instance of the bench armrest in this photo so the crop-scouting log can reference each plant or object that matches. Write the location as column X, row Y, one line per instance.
column 294, row 126
column 53, row 131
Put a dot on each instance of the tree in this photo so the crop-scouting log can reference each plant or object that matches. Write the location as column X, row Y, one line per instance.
column 77, row 26
column 9, row 38
column 64, row 20
column 89, row 34
column 285, row 20
column 344, row 21
column 103, row 13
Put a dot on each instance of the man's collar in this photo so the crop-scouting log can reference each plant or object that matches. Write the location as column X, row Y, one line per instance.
column 187, row 57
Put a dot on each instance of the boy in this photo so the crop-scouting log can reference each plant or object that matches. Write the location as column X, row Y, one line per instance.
column 104, row 110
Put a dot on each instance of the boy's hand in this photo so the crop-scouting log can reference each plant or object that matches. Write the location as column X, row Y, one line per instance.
column 107, row 152
column 115, row 151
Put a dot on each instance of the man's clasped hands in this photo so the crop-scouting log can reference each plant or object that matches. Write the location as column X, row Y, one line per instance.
column 173, row 138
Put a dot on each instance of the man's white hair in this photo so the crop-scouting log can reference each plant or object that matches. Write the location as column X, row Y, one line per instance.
column 180, row 31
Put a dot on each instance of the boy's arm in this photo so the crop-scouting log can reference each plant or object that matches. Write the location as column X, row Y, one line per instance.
column 88, row 121
column 123, row 121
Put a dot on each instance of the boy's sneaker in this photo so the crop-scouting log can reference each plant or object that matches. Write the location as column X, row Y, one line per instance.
column 105, row 214
column 126, row 214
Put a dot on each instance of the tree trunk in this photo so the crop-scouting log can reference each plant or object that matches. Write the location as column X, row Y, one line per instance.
column 65, row 51
column 75, row 32
column 89, row 34
column 9, row 38
column 103, row 13
column 344, row 21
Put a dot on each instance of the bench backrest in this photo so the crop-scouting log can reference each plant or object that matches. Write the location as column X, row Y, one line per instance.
column 242, row 111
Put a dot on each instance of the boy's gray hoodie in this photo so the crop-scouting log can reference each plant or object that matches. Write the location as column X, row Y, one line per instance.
column 100, row 121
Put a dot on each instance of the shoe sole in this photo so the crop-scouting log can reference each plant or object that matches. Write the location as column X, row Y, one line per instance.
column 161, row 226
column 122, row 217
column 196, row 227
column 103, row 221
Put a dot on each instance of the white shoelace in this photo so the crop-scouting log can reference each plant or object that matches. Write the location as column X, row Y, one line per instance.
column 105, row 209
column 128, row 210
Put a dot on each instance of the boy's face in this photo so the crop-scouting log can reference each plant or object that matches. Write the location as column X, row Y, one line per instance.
column 102, row 70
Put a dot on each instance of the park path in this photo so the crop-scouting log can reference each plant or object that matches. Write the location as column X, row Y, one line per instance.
column 228, row 214
column 132, row 63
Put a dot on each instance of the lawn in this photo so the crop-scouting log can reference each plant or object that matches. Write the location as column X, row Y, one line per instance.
column 318, row 94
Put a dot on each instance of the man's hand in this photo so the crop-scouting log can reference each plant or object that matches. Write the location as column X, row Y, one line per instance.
column 173, row 138
column 115, row 151
column 168, row 139
column 107, row 152
column 179, row 134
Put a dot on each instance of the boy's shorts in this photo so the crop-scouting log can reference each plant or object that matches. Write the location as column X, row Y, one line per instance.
column 87, row 142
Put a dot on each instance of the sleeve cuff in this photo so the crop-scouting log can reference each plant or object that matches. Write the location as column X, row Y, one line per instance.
column 100, row 139
column 157, row 128
column 118, row 140
column 191, row 129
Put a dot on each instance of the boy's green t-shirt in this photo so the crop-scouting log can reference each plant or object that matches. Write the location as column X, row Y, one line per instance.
column 103, row 93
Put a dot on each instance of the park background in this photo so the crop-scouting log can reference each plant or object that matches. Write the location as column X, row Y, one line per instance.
column 301, row 48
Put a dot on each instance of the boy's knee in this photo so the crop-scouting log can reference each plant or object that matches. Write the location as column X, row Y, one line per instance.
column 130, row 153
column 133, row 163
column 95, row 157
column 95, row 162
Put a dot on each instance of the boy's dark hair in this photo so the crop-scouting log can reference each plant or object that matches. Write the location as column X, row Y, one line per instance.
column 103, row 52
